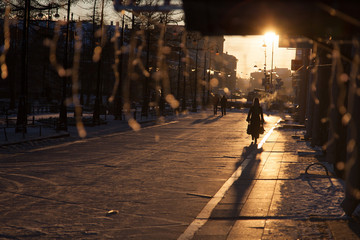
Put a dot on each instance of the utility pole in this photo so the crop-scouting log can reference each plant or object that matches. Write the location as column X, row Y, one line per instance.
column 98, row 101
column 21, row 120
column 209, row 76
column 204, row 79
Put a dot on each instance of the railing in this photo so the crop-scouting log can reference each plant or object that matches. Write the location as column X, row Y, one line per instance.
column 39, row 126
column 37, row 109
column 8, row 123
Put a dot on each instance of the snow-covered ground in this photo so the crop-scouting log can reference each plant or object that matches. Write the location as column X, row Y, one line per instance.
column 39, row 130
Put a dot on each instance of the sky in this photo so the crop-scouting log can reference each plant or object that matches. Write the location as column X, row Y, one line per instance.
column 249, row 52
column 83, row 11
column 247, row 49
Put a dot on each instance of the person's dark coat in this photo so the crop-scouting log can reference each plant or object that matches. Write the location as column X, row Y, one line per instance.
column 215, row 102
column 223, row 103
column 256, row 119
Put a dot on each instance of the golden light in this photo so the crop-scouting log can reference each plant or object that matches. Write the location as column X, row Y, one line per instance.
column 269, row 37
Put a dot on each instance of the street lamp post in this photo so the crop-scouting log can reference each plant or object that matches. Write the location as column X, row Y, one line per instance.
column 196, row 80
column 195, row 70
column 270, row 36
column 209, row 76
column 195, row 39
column 210, row 72
column 265, row 79
column 98, row 99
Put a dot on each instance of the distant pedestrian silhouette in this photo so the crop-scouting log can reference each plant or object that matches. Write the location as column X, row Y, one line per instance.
column 223, row 103
column 215, row 102
column 256, row 119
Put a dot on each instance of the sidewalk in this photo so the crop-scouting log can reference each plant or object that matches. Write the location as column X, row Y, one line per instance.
column 8, row 136
column 275, row 199
column 37, row 132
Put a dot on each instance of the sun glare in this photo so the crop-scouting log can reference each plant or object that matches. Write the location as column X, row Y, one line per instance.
column 269, row 37
column 250, row 51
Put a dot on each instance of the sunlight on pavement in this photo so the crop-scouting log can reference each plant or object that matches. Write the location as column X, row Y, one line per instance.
column 267, row 135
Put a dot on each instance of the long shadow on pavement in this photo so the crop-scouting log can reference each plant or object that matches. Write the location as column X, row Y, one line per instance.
column 226, row 213
column 229, row 208
column 207, row 120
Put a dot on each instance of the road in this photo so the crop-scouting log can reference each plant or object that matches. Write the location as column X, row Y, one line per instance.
column 149, row 184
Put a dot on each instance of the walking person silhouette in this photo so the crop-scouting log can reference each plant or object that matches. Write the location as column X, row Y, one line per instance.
column 215, row 102
column 256, row 120
column 223, row 103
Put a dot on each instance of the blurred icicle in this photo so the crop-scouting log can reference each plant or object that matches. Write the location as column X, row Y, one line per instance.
column 73, row 71
column 162, row 79
column 352, row 150
column 314, row 72
column 4, row 69
column 52, row 44
column 100, row 33
column 133, row 61
column 75, row 81
column 341, row 78
column 138, row 61
column 116, row 62
column 336, row 70
column 353, row 161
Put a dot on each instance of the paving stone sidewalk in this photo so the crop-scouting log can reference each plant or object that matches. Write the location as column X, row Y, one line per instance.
column 275, row 199
column 38, row 132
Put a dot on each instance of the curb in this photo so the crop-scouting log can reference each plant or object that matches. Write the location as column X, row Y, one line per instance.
column 36, row 139
column 67, row 134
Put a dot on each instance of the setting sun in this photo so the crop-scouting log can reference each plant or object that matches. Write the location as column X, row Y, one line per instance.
column 270, row 37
